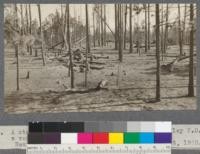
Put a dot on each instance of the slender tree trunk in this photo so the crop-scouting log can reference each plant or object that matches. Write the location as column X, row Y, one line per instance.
column 69, row 47
column 145, row 33
column 94, row 38
column 87, row 44
column 157, row 53
column 27, row 22
column 22, row 20
column 162, row 33
column 126, row 9
column 120, row 33
column 184, row 23
column 104, row 24
column 41, row 34
column 149, row 42
column 179, row 27
column 30, row 27
column 17, row 50
column 116, row 27
column 130, row 26
column 191, row 63
column 99, row 25
column 102, row 39
column 166, row 29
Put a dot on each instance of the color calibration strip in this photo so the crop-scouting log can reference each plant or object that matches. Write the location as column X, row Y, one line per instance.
column 100, row 133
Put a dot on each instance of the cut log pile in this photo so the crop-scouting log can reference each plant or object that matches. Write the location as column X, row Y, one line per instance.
column 79, row 60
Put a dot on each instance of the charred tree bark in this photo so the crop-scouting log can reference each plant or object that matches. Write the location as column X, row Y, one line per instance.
column 130, row 26
column 41, row 34
column 191, row 63
column 157, row 53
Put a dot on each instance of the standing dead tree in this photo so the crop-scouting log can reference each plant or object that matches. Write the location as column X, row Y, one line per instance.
column 157, row 53
column 116, row 27
column 149, row 43
column 179, row 27
column 166, row 28
column 125, row 16
column 145, row 32
column 30, row 27
column 191, row 63
column 130, row 26
column 41, row 34
column 16, row 47
column 104, row 25
column 87, row 44
column 69, row 47
column 120, row 26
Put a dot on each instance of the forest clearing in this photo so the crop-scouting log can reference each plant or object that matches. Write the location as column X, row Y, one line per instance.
column 99, row 72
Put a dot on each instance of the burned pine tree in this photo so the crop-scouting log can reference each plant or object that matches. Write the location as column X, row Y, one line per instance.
column 157, row 52
column 180, row 31
column 87, row 44
column 30, row 27
column 166, row 28
column 148, row 29
column 16, row 45
column 145, row 32
column 130, row 26
column 125, row 16
column 41, row 34
column 191, row 62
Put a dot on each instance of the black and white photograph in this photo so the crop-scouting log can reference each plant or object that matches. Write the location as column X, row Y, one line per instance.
column 99, row 57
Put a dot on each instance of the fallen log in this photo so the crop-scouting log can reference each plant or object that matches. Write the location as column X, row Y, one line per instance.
column 170, row 67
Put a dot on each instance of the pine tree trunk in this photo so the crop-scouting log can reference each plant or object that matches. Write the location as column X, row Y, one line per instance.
column 41, row 34
column 157, row 53
column 145, row 33
column 166, row 29
column 162, row 33
column 116, row 27
column 149, row 42
column 94, row 38
column 126, row 9
column 87, row 44
column 17, row 50
column 104, row 24
column 120, row 32
column 69, row 48
column 184, row 23
column 130, row 26
column 191, row 63
column 179, row 27
column 30, row 27
column 102, row 39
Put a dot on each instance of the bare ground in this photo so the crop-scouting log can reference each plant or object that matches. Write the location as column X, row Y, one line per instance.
column 48, row 88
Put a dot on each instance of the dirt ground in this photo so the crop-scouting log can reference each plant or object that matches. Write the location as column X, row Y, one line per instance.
column 48, row 88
